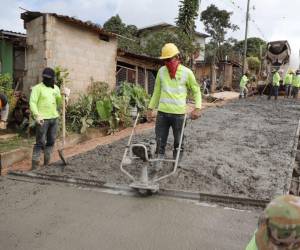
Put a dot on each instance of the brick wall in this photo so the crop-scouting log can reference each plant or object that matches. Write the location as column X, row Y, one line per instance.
column 35, row 54
column 76, row 48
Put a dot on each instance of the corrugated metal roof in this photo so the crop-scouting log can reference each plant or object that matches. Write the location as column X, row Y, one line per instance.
column 12, row 33
column 31, row 15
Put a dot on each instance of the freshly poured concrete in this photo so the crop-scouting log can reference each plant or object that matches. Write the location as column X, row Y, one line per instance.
column 34, row 216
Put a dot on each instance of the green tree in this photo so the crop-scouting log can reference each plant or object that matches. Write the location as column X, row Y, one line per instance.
column 128, row 39
column 254, row 44
column 187, row 15
column 217, row 23
column 253, row 64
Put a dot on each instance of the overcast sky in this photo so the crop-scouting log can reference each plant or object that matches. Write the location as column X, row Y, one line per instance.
column 270, row 19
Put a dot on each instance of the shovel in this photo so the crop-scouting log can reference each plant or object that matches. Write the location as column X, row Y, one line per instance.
column 61, row 150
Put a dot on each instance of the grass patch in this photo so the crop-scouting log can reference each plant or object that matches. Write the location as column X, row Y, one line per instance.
column 14, row 143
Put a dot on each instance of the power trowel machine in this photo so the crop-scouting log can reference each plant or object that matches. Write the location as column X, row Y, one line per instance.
column 145, row 153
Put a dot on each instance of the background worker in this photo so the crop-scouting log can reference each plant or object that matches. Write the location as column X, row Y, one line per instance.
column 275, row 85
column 288, row 83
column 296, row 84
column 45, row 99
column 4, row 110
column 243, row 87
column 170, row 92
column 279, row 226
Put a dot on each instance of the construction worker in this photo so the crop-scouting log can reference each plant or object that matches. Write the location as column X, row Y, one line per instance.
column 279, row 226
column 243, row 83
column 275, row 85
column 288, row 83
column 4, row 109
column 296, row 84
column 170, row 92
column 44, row 101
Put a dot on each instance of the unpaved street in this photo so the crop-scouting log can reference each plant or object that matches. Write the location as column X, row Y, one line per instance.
column 34, row 217
column 243, row 148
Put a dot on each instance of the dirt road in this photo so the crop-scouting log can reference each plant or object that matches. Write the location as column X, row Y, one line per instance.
column 243, row 148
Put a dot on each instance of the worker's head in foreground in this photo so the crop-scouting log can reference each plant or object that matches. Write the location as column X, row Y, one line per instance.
column 48, row 77
column 279, row 226
column 170, row 56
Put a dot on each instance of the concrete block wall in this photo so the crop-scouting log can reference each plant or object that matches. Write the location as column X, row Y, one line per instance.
column 35, row 54
column 82, row 53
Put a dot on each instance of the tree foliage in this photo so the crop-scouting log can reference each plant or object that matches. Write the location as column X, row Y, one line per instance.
column 217, row 23
column 187, row 15
column 128, row 40
column 253, row 63
column 253, row 46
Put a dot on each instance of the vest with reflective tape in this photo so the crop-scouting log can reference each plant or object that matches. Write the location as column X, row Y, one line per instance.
column 173, row 91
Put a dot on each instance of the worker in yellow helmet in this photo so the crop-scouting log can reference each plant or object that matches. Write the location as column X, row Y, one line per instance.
column 296, row 84
column 172, row 83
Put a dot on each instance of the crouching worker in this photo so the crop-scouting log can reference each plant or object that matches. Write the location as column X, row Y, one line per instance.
column 279, row 226
column 44, row 101
column 170, row 93
column 4, row 110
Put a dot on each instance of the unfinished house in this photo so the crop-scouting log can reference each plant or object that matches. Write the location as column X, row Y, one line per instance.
column 146, row 32
column 139, row 69
column 86, row 50
column 12, row 56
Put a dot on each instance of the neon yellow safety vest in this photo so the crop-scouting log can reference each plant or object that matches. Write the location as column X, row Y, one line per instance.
column 296, row 81
column 288, row 79
column 244, row 81
column 252, row 244
column 44, row 101
column 276, row 79
column 170, row 94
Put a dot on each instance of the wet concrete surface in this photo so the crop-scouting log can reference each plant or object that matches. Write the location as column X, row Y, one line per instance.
column 242, row 149
column 35, row 216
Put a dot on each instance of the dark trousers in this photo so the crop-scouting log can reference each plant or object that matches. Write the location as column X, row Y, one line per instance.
column 295, row 92
column 45, row 138
column 273, row 91
column 288, row 90
column 163, row 123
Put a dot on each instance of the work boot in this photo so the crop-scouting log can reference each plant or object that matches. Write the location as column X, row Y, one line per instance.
column 47, row 155
column 35, row 164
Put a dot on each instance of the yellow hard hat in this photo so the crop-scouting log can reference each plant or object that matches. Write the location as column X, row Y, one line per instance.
column 168, row 51
column 291, row 71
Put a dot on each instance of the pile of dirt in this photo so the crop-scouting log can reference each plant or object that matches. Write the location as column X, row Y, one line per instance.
column 243, row 148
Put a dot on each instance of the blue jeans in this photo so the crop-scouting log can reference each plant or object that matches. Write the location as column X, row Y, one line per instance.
column 163, row 123
column 273, row 91
column 45, row 138
column 288, row 90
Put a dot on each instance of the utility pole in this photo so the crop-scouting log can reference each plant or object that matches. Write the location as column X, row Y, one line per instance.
column 246, row 38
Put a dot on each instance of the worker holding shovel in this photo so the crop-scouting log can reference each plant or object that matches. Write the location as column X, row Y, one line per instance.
column 45, row 99
column 170, row 93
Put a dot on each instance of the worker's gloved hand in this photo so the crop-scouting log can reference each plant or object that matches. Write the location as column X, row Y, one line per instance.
column 2, row 125
column 195, row 114
column 149, row 115
column 39, row 120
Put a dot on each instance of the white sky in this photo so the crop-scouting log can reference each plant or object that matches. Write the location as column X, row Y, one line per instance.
column 275, row 19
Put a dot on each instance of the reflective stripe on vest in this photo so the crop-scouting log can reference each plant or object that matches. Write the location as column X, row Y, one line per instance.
column 173, row 101
column 181, row 89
